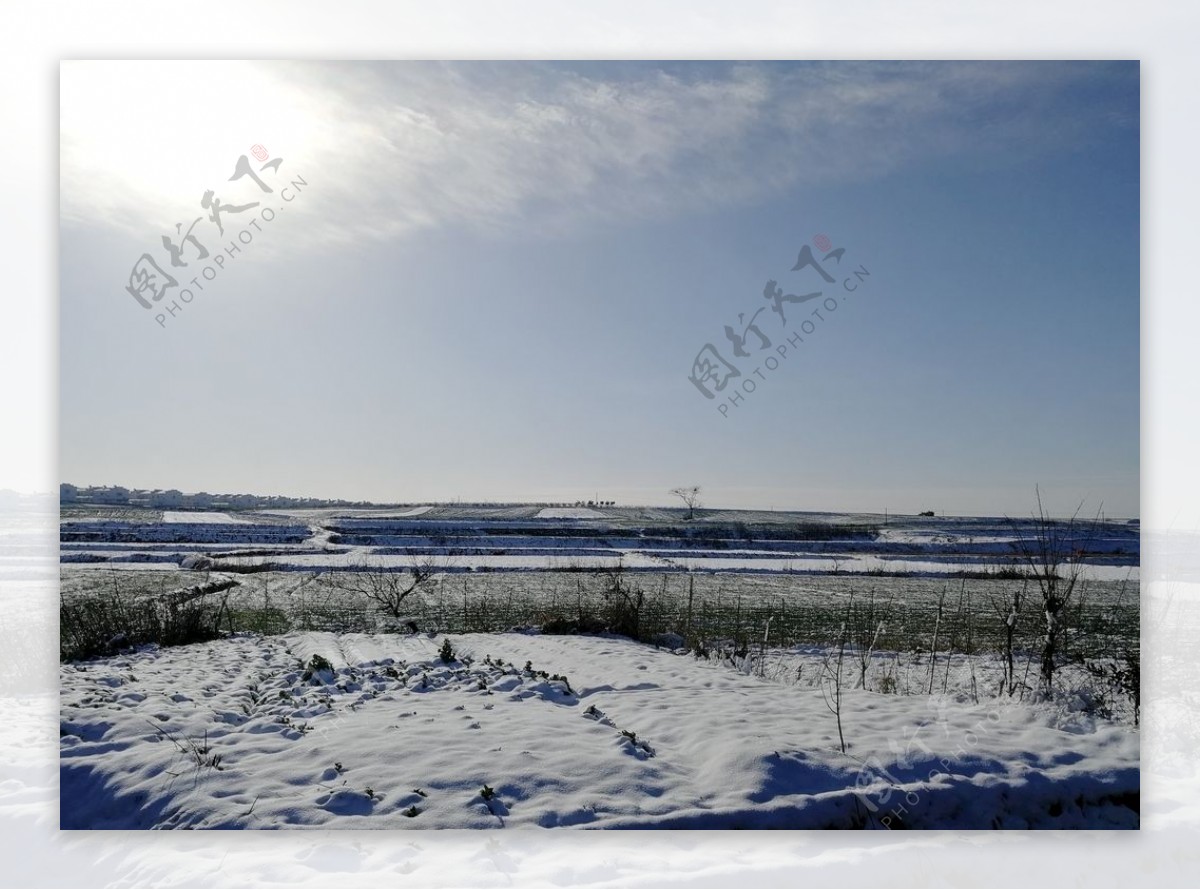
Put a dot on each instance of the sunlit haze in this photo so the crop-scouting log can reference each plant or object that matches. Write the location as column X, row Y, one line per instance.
column 492, row 281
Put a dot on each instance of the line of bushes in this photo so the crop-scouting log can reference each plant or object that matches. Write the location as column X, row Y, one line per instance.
column 105, row 623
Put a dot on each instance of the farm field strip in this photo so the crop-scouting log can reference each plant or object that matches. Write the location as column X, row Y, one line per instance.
column 792, row 579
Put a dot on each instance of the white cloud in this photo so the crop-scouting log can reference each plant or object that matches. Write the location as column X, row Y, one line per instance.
column 393, row 148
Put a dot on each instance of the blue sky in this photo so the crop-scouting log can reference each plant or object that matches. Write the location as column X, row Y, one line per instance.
column 497, row 277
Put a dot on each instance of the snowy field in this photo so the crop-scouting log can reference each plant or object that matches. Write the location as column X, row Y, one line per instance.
column 727, row 573
column 557, row 539
column 202, row 517
column 520, row 730
column 569, row 513
column 308, row 702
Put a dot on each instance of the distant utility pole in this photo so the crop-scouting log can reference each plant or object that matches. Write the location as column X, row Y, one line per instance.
column 885, row 515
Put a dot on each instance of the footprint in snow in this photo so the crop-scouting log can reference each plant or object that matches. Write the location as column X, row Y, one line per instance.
column 345, row 802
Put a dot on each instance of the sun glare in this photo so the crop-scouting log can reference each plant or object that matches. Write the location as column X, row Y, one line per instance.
column 158, row 134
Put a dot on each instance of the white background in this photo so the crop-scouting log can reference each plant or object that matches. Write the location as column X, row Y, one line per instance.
column 35, row 37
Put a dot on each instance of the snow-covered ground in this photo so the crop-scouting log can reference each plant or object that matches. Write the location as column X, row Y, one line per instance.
column 398, row 514
column 569, row 513
column 209, row 517
column 577, row 731
column 522, row 730
column 571, row 539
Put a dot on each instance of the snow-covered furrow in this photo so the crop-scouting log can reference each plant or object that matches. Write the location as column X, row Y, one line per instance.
column 379, row 731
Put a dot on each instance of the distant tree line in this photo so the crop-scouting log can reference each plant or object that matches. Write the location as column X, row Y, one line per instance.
column 174, row 499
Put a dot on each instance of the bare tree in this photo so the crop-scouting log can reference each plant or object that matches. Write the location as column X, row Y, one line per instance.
column 1054, row 552
column 1009, row 613
column 389, row 588
column 624, row 602
column 690, row 497
column 831, row 679
column 866, row 625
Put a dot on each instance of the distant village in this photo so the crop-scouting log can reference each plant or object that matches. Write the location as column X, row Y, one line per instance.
column 174, row 499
